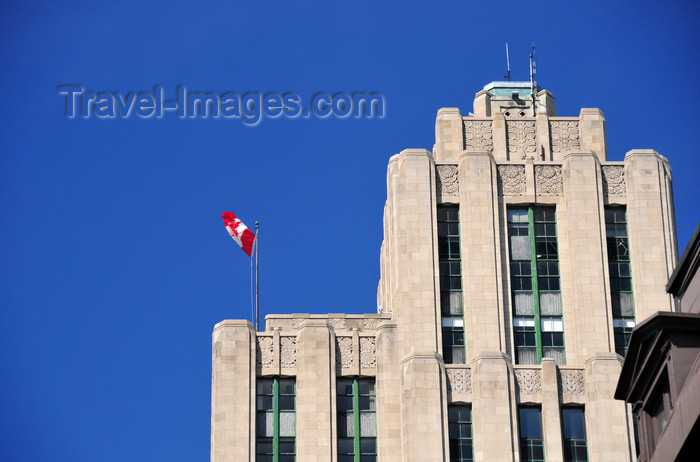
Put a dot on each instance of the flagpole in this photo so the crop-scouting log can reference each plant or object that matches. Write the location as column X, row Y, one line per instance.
column 257, row 279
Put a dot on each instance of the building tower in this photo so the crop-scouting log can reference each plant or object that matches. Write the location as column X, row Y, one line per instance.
column 516, row 260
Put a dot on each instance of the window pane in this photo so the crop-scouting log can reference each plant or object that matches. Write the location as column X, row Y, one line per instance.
column 264, row 387
column 572, row 421
column 287, row 424
column 520, row 248
column 264, row 424
column 530, row 426
column 527, row 355
column 346, row 424
column 550, row 303
column 524, row 303
column 368, row 424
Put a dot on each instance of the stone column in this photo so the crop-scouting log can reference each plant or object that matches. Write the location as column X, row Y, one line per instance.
column 315, row 383
column 233, row 392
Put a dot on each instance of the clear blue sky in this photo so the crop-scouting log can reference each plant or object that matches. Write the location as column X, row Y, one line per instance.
column 115, row 262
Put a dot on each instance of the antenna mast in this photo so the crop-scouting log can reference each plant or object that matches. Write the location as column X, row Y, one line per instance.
column 533, row 71
column 507, row 76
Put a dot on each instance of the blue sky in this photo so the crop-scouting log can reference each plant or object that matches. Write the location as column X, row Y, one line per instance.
column 115, row 262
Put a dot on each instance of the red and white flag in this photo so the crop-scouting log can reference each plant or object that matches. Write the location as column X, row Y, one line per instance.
column 239, row 232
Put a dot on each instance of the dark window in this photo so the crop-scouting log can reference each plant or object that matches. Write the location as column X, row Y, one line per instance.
column 531, row 442
column 574, row 430
column 460, row 432
column 620, row 276
column 357, row 420
column 275, row 420
column 451, row 301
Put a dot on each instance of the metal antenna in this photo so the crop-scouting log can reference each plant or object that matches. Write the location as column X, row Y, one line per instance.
column 507, row 76
column 533, row 71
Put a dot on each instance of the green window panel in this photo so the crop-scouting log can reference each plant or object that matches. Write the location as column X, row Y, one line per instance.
column 538, row 327
column 275, row 420
column 357, row 420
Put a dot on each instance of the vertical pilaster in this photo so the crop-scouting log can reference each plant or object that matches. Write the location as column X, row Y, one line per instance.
column 423, row 395
column 584, row 281
column 607, row 420
column 592, row 132
column 388, row 400
column 413, row 230
column 500, row 138
column 551, row 412
column 480, row 225
column 449, row 135
column 315, row 382
column 493, row 411
column 233, row 392
column 651, row 229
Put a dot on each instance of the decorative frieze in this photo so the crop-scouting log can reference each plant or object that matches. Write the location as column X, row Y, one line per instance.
column 368, row 352
column 571, row 382
column 528, row 381
column 614, row 180
column 548, row 180
column 459, row 380
column 564, row 135
column 288, row 351
column 511, row 179
column 343, row 351
column 447, row 180
column 478, row 135
column 521, row 138
column 264, row 351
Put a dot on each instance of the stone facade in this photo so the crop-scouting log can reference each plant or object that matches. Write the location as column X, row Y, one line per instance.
column 511, row 152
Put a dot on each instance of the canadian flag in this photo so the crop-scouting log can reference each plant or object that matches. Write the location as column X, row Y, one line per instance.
column 239, row 232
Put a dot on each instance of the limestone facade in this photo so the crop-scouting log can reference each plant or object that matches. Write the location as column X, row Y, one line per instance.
column 512, row 154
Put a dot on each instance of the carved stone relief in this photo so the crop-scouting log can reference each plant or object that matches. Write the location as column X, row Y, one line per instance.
column 564, row 135
column 371, row 323
column 264, row 349
column 614, row 180
column 368, row 352
column 478, row 135
column 447, row 180
column 548, row 180
column 529, row 381
column 343, row 351
column 521, row 138
column 571, row 382
column 288, row 351
column 511, row 179
column 459, row 380
column 336, row 323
